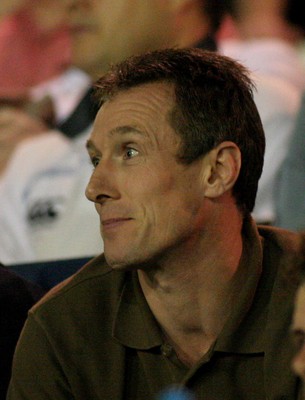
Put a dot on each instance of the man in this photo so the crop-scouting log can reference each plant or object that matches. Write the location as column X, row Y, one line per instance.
column 290, row 202
column 42, row 190
column 267, row 40
column 32, row 34
column 17, row 296
column 45, row 204
column 188, row 291
column 267, row 37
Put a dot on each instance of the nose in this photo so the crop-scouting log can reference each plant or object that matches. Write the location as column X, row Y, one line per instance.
column 102, row 185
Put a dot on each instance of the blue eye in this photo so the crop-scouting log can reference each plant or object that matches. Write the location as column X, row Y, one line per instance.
column 130, row 153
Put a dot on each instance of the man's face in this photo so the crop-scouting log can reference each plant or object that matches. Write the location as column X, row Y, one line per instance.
column 298, row 330
column 108, row 31
column 150, row 205
column 50, row 15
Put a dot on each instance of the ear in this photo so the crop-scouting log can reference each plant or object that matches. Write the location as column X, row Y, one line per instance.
column 222, row 169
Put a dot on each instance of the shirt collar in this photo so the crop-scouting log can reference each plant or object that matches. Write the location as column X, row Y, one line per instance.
column 134, row 324
column 136, row 327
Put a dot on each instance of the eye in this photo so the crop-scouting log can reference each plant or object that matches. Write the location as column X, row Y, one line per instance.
column 94, row 161
column 130, row 153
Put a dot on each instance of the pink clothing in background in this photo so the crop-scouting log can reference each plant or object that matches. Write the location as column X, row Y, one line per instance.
column 29, row 56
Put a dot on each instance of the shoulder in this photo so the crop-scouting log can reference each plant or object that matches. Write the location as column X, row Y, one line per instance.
column 283, row 240
column 284, row 253
column 93, row 288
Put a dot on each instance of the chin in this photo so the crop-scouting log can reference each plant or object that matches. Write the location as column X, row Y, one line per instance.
column 119, row 263
column 133, row 262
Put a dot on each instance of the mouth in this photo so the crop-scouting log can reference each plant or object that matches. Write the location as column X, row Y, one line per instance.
column 114, row 222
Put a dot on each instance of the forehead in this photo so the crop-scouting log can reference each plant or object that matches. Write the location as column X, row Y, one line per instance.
column 146, row 95
column 147, row 106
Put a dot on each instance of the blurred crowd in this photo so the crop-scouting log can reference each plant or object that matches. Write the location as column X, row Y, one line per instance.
column 34, row 44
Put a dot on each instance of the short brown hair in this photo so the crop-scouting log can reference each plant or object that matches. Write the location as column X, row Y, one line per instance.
column 214, row 103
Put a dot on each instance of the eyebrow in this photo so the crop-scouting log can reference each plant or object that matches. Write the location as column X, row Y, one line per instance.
column 90, row 145
column 121, row 130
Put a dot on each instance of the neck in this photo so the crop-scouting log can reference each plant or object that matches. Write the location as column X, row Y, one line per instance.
column 192, row 296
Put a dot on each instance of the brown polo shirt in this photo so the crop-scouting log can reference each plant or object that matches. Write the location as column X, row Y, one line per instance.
column 94, row 337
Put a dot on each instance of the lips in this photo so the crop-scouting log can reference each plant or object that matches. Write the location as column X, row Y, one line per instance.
column 114, row 222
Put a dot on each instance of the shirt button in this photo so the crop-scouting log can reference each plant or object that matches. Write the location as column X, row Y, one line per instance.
column 166, row 350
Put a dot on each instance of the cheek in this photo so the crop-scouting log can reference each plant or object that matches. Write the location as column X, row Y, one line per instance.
column 149, row 183
column 166, row 196
column 173, row 210
column 157, row 198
